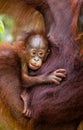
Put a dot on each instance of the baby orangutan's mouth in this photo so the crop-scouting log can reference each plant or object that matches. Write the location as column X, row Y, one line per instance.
column 34, row 66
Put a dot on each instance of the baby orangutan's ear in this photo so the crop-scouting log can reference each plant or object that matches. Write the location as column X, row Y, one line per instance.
column 48, row 52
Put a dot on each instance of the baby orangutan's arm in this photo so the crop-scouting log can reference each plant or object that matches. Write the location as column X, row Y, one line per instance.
column 54, row 77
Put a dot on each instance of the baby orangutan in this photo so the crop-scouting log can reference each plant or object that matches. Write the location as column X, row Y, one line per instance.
column 36, row 52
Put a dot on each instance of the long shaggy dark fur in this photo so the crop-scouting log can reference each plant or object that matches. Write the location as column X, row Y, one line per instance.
column 50, row 103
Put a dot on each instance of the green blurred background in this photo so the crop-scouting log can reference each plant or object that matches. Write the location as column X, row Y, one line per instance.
column 6, row 28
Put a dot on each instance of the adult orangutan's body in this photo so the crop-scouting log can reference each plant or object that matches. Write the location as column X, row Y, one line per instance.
column 61, row 105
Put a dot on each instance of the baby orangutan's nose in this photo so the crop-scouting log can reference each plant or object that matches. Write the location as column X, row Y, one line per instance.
column 36, row 58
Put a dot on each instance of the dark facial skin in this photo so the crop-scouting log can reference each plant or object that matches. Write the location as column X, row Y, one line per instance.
column 36, row 52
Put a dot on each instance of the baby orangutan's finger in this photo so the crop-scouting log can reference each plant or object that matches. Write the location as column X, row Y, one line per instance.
column 60, row 71
column 58, row 78
column 28, row 113
column 56, row 81
column 60, row 74
column 24, row 110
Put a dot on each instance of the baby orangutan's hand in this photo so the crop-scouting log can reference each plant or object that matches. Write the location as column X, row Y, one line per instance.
column 57, row 76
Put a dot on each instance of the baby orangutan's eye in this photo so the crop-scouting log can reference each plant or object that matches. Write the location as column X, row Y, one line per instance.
column 41, row 54
column 33, row 53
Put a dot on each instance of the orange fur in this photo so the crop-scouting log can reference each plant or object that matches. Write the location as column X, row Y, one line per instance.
column 76, row 5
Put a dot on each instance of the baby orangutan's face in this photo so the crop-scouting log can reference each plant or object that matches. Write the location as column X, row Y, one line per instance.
column 37, row 51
